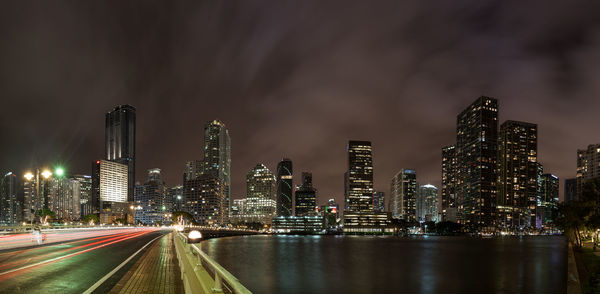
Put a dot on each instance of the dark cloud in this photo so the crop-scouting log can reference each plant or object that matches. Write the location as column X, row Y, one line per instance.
column 293, row 79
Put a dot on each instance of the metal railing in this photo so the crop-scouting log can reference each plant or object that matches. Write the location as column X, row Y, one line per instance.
column 222, row 280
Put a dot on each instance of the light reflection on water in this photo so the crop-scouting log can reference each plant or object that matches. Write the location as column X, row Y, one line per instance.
column 364, row 264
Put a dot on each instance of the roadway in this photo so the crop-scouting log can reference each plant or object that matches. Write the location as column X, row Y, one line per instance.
column 73, row 266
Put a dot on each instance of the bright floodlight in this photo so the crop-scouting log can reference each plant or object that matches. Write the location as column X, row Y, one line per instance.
column 194, row 235
column 46, row 174
column 59, row 171
column 28, row 176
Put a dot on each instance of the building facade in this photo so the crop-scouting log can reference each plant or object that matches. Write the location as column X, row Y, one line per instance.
column 112, row 187
column 217, row 157
column 206, row 200
column 10, row 202
column 151, row 200
column 379, row 201
column 449, row 164
column 588, row 166
column 284, row 188
column 306, row 196
column 547, row 203
column 404, row 195
column 359, row 177
column 120, row 142
column 427, row 204
column 570, row 190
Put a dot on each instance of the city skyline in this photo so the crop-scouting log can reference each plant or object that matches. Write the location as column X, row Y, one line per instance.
column 57, row 114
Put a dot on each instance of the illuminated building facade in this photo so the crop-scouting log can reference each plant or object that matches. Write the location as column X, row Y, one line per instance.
column 476, row 153
column 548, row 201
column 427, row 204
column 367, row 223
column 588, row 166
column 306, row 197
column 206, row 200
column 284, row 188
column 217, row 159
column 404, row 195
column 517, row 175
column 112, row 190
column 193, row 169
column 10, row 204
column 176, row 195
column 449, row 164
column 81, row 187
column 120, row 142
column 299, row 224
column 36, row 186
column 151, row 201
column 359, row 177
column 62, row 201
column 378, row 201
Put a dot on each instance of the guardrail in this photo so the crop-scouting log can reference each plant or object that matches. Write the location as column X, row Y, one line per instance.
column 202, row 274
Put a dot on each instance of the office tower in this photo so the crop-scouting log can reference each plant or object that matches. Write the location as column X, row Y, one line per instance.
column 404, row 195
column 62, row 201
column 548, row 200
column 205, row 199
column 260, row 183
column 217, row 156
column 35, row 192
column 176, row 196
column 476, row 153
column 120, row 142
column 306, row 196
column 110, row 181
column 570, row 190
column 10, row 204
column 449, row 163
column 193, row 169
column 517, row 175
column 151, row 200
column 378, row 201
column 359, row 177
column 427, row 204
column 81, row 186
column 588, row 166
column 284, row 188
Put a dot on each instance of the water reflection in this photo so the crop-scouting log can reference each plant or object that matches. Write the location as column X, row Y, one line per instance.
column 363, row 264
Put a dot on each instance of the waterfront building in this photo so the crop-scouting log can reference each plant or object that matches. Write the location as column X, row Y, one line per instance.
column 476, row 153
column 120, row 142
column 366, row 223
column 206, row 200
column 427, row 204
column 110, row 180
column 306, row 196
column 570, row 189
column 547, row 208
column 449, row 164
column 378, row 201
column 404, row 195
column 299, row 224
column 10, row 204
column 518, row 169
column 284, row 188
column 151, row 200
column 217, row 160
column 588, row 166
column 359, row 177
column 331, row 213
column 260, row 183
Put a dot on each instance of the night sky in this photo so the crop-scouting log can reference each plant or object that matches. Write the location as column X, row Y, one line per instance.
column 293, row 79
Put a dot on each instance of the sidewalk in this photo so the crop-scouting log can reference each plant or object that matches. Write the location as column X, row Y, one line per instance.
column 155, row 272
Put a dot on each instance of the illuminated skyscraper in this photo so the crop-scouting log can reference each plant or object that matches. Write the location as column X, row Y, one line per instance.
column 193, row 169
column 260, row 183
column 81, row 186
column 217, row 156
column 10, row 204
column 110, row 182
column 548, row 200
column 306, row 196
column 284, row 188
column 476, row 153
column 518, row 174
column 427, row 204
column 449, row 163
column 120, row 142
column 378, row 201
column 36, row 186
column 359, row 177
column 588, row 166
column 151, row 200
column 404, row 195
column 205, row 199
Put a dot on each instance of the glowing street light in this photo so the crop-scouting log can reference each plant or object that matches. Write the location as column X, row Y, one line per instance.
column 59, row 171
column 28, row 176
column 46, row 174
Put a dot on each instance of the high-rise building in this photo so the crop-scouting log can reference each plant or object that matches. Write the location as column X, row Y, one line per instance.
column 36, row 186
column 427, row 204
column 306, row 196
column 10, row 204
column 378, row 201
column 120, row 142
column 65, row 204
column 404, row 195
column 112, row 190
column 570, row 190
column 152, row 201
column 476, row 153
column 547, row 208
column 359, row 177
column 176, row 196
column 588, row 166
column 205, row 199
column 260, row 183
column 217, row 156
column 193, row 169
column 284, row 187
column 449, row 164
column 517, row 187
column 81, row 186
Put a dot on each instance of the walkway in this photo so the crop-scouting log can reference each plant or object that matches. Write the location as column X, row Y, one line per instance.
column 155, row 272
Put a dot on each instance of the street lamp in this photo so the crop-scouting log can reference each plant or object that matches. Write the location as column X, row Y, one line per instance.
column 28, row 176
column 59, row 171
column 46, row 174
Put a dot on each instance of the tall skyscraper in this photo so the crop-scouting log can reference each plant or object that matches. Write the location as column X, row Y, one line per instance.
column 427, row 204
column 449, row 164
column 81, row 186
column 548, row 201
column 217, row 156
column 151, row 200
column 193, row 169
column 588, row 166
column 176, row 195
column 518, row 175
column 404, row 195
column 570, row 190
column 378, row 201
column 306, row 196
column 260, row 203
column 10, row 204
column 284, row 187
column 359, row 177
column 36, row 186
column 120, row 142
column 62, row 201
column 476, row 153
column 205, row 199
